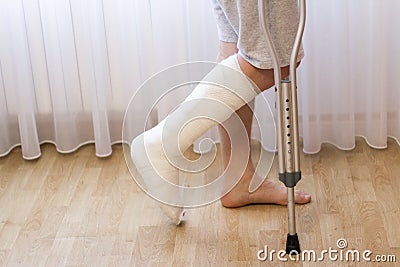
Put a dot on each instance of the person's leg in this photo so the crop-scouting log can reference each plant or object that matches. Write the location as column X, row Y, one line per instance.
column 156, row 152
column 269, row 192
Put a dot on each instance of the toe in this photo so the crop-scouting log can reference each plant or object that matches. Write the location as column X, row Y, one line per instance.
column 302, row 197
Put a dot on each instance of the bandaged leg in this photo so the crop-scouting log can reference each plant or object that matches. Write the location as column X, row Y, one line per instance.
column 157, row 152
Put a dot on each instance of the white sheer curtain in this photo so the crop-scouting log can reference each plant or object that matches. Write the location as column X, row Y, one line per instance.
column 348, row 80
column 69, row 67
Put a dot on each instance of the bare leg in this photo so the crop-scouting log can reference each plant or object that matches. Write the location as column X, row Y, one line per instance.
column 268, row 193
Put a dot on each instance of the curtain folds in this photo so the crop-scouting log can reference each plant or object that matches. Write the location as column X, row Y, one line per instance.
column 68, row 69
column 348, row 81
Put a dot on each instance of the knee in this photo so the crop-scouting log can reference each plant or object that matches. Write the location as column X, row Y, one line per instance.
column 226, row 50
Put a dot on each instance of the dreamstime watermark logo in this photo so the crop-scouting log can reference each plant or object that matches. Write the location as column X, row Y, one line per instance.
column 339, row 254
column 156, row 159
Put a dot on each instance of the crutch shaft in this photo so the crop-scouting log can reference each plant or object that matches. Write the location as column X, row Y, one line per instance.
column 291, row 212
column 293, row 79
column 289, row 177
column 286, row 115
column 277, row 78
column 287, row 123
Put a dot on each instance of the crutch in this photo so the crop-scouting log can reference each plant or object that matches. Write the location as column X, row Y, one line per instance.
column 288, row 132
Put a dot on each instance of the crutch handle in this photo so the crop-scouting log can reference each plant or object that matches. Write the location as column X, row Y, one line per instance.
column 297, row 43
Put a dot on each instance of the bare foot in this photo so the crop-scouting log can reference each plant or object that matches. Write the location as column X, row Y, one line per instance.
column 267, row 193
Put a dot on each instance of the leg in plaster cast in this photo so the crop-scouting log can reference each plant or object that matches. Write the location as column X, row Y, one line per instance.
column 269, row 192
column 147, row 152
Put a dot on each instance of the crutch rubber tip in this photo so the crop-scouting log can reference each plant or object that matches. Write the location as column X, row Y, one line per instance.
column 292, row 244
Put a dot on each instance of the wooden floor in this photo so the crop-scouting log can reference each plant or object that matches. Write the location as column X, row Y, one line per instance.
column 79, row 210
